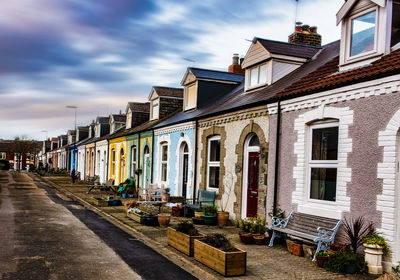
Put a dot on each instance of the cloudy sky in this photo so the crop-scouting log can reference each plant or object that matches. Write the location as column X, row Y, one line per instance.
column 100, row 54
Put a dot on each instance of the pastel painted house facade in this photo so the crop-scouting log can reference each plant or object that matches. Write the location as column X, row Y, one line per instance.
column 102, row 130
column 233, row 134
column 339, row 128
column 81, row 134
column 117, row 149
column 137, row 113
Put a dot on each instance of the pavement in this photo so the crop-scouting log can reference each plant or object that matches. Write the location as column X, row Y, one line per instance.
column 263, row 262
column 46, row 235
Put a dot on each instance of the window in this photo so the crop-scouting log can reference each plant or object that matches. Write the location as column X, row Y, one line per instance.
column 134, row 160
column 323, row 161
column 98, row 161
column 113, row 161
column 164, row 161
column 258, row 75
column 363, row 34
column 190, row 97
column 129, row 119
column 395, row 24
column 213, row 162
column 155, row 109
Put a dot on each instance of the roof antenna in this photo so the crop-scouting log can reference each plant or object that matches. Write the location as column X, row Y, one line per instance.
column 295, row 13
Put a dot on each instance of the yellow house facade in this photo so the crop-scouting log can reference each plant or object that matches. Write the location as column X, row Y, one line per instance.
column 117, row 160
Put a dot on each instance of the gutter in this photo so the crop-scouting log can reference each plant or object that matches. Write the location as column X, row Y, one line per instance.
column 277, row 147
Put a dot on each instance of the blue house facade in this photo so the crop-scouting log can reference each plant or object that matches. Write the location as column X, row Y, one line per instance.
column 173, row 150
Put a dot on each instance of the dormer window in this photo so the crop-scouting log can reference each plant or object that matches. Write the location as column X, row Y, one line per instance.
column 258, row 75
column 363, row 34
column 190, row 96
column 155, row 109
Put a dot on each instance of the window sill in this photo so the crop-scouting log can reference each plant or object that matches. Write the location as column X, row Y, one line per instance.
column 321, row 209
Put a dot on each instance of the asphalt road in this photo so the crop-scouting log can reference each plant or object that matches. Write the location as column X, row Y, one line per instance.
column 44, row 235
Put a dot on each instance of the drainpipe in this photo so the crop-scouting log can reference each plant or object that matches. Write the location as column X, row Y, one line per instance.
column 152, row 155
column 107, row 160
column 139, row 153
column 84, row 164
column 195, row 161
column 277, row 140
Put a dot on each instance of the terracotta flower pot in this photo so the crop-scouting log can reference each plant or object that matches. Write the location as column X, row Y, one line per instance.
column 297, row 249
column 222, row 218
column 164, row 219
column 321, row 260
column 258, row 239
column 246, row 238
column 289, row 244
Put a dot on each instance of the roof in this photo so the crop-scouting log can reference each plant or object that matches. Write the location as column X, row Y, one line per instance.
column 169, row 91
column 139, row 107
column 102, row 119
column 289, row 49
column 328, row 77
column 119, row 118
column 83, row 128
column 238, row 99
column 215, row 75
column 6, row 146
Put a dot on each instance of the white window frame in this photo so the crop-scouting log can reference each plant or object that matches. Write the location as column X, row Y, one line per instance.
column 155, row 103
column 186, row 91
column 258, row 84
column 212, row 163
column 129, row 119
column 320, row 163
column 113, row 159
column 162, row 162
column 350, row 58
column 133, row 160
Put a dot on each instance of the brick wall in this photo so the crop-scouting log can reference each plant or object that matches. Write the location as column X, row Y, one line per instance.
column 304, row 38
column 139, row 117
column 169, row 105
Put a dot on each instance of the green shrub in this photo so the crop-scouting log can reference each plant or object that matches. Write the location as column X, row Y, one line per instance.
column 4, row 164
column 375, row 239
column 187, row 228
column 254, row 225
column 338, row 261
column 210, row 210
column 219, row 241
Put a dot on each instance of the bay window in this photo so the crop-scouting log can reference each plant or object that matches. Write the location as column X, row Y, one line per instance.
column 213, row 162
column 323, row 161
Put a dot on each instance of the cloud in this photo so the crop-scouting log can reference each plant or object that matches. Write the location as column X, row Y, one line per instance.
column 101, row 54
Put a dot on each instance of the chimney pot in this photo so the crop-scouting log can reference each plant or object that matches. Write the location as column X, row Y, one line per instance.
column 306, row 28
column 305, row 35
column 313, row 29
column 235, row 67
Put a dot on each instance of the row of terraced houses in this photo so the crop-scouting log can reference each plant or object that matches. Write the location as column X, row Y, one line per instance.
column 293, row 125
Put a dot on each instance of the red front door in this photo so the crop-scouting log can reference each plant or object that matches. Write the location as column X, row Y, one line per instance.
column 252, row 185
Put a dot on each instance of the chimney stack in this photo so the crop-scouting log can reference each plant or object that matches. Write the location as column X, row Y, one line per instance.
column 305, row 35
column 235, row 67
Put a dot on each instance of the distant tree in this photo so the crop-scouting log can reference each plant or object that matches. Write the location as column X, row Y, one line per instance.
column 22, row 146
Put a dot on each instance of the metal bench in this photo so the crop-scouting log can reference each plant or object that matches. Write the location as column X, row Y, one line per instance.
column 319, row 230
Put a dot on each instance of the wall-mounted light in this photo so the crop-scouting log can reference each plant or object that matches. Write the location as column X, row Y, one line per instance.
column 238, row 168
column 182, row 134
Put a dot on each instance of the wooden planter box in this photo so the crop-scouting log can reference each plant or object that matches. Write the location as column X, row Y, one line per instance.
column 182, row 242
column 226, row 263
column 136, row 217
column 99, row 202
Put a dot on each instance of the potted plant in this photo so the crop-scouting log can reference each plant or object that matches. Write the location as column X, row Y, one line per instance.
column 345, row 261
column 182, row 237
column 135, row 214
column 198, row 213
column 374, row 246
column 322, row 257
column 165, row 195
column 216, row 252
column 150, row 217
column 245, row 235
column 297, row 249
column 223, row 215
column 210, row 215
column 164, row 219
